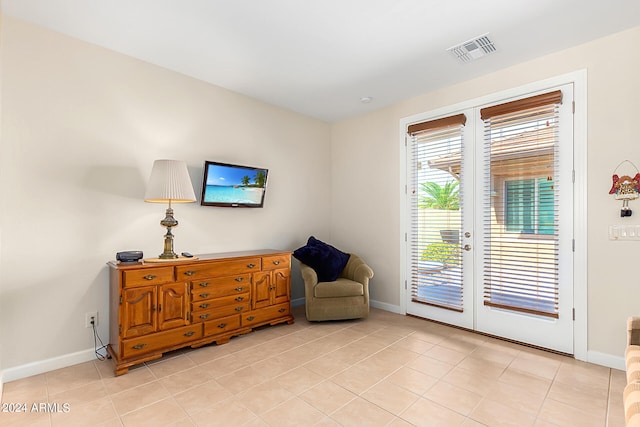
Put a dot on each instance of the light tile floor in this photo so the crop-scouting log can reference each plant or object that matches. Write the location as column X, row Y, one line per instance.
column 387, row 370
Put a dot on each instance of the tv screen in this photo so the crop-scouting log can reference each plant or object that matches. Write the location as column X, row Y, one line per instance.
column 233, row 185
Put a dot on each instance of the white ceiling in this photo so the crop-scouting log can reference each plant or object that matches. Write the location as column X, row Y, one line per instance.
column 320, row 58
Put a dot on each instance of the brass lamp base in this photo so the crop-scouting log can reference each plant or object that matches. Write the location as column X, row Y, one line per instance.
column 169, row 221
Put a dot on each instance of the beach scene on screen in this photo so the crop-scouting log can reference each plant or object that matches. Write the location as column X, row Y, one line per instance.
column 230, row 184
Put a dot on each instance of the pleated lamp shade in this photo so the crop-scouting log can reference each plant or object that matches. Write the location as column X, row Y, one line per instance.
column 169, row 183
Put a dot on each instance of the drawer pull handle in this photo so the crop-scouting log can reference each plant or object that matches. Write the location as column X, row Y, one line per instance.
column 239, row 299
column 239, row 308
column 250, row 318
column 239, row 279
column 204, row 316
column 189, row 334
column 282, row 310
column 239, row 288
column 222, row 325
column 204, row 295
column 139, row 346
column 189, row 272
column 149, row 277
column 205, row 305
column 276, row 262
column 204, row 284
column 251, row 265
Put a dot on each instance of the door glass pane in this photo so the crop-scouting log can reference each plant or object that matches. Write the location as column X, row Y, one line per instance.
column 436, row 218
column 520, row 216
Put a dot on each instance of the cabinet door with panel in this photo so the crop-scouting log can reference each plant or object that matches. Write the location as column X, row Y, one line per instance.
column 270, row 287
column 173, row 305
column 138, row 311
column 149, row 309
column 261, row 290
column 281, row 288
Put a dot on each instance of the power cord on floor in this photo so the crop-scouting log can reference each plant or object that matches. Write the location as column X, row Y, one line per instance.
column 96, row 339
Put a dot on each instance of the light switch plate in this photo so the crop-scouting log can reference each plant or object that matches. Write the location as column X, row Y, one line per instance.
column 624, row 232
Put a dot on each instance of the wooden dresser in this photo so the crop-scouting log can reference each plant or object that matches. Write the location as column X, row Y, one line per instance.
column 159, row 307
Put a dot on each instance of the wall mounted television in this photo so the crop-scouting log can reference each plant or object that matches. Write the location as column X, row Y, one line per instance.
column 235, row 186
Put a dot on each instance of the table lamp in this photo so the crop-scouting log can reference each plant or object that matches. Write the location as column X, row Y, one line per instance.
column 169, row 183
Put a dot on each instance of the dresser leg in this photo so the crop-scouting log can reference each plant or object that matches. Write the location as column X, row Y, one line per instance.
column 121, row 370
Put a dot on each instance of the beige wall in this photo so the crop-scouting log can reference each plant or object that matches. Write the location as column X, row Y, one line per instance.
column 80, row 129
column 366, row 188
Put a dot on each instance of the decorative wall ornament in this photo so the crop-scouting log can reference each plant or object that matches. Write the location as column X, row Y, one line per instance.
column 625, row 188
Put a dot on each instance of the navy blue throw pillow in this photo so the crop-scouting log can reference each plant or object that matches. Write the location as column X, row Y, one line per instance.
column 327, row 261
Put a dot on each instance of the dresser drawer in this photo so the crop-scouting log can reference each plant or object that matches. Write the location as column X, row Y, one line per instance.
column 220, row 286
column 209, row 304
column 220, row 307
column 160, row 340
column 263, row 315
column 147, row 276
column 218, row 268
column 275, row 262
column 223, row 324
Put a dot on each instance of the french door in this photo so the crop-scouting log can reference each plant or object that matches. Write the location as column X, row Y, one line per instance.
column 491, row 209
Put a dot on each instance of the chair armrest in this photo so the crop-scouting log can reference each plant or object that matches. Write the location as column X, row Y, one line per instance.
column 309, row 275
column 310, row 278
column 363, row 273
column 357, row 270
column 633, row 330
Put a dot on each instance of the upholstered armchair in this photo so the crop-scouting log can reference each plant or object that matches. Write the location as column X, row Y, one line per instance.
column 345, row 298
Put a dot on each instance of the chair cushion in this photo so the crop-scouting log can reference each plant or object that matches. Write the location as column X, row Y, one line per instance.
column 338, row 288
column 327, row 261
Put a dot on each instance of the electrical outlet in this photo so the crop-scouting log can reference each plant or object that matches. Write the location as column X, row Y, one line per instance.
column 87, row 319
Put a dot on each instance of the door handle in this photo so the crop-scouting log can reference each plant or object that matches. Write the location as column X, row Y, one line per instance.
column 467, row 247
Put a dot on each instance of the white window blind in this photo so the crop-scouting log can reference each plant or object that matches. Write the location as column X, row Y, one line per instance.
column 520, row 193
column 436, row 268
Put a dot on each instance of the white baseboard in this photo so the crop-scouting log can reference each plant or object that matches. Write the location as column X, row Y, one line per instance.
column 42, row 366
column 608, row 360
column 386, row 307
column 375, row 304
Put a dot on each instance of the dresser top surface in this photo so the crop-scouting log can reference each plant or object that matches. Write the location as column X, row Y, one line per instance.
column 198, row 258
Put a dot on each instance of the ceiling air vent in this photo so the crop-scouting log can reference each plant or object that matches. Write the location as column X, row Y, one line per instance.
column 473, row 49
